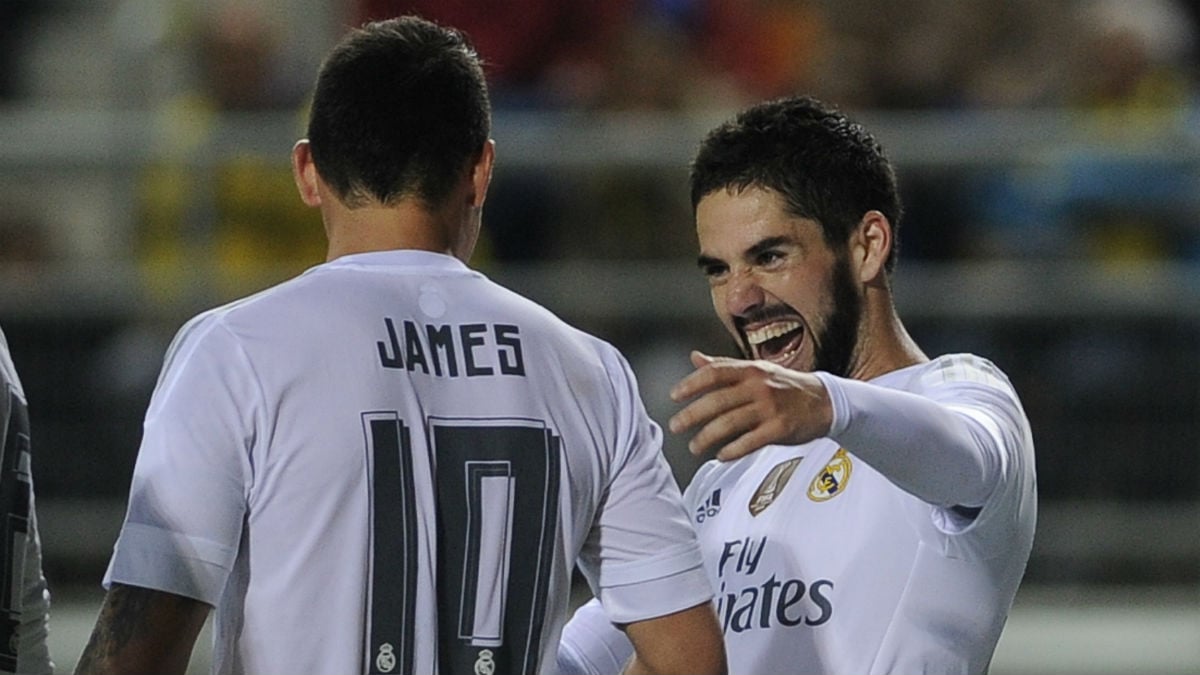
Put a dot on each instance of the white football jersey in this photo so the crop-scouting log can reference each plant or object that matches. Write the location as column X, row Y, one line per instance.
column 390, row 464
column 822, row 565
column 24, row 598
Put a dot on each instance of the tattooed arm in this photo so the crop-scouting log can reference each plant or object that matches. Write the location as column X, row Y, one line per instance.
column 143, row 631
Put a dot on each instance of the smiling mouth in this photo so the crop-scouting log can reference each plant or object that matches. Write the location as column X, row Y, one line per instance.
column 778, row 341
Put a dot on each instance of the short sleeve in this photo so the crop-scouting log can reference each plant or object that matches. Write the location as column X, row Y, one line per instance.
column 642, row 557
column 193, row 473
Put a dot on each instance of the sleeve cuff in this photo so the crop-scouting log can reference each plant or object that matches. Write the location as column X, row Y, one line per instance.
column 153, row 558
column 837, row 398
column 630, row 595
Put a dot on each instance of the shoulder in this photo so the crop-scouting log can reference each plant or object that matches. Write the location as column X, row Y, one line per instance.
column 970, row 382
column 210, row 341
column 261, row 308
column 706, row 477
column 577, row 348
column 963, row 368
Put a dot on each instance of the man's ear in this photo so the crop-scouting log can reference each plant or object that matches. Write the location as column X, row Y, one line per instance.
column 481, row 173
column 304, row 172
column 870, row 245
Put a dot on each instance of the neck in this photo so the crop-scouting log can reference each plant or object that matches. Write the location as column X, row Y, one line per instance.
column 407, row 225
column 884, row 344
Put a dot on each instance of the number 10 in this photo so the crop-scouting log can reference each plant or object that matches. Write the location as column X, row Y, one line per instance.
column 496, row 484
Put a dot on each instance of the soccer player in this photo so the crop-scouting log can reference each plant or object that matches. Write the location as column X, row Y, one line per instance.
column 390, row 464
column 869, row 510
column 24, row 597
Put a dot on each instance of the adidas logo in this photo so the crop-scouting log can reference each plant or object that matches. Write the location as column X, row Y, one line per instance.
column 711, row 506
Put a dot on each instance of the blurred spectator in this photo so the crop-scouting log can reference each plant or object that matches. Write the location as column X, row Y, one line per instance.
column 524, row 41
column 1132, row 64
column 1015, row 53
column 240, row 214
column 1133, row 81
column 1127, row 74
column 650, row 66
column 921, row 54
column 770, row 48
column 1127, row 64
column 237, row 50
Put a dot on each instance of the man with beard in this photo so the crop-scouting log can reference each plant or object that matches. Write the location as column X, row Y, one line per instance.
column 869, row 510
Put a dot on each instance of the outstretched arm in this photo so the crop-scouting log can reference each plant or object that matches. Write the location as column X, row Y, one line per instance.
column 143, row 631
column 740, row 406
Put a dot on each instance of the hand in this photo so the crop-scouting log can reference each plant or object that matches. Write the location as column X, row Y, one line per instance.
column 741, row 406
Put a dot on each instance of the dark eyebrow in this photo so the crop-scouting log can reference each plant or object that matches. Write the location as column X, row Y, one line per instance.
column 766, row 245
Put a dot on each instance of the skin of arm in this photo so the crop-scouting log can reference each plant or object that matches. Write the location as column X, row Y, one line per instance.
column 684, row 642
column 143, row 631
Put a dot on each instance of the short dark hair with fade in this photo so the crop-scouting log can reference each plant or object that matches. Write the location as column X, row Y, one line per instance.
column 400, row 108
column 827, row 167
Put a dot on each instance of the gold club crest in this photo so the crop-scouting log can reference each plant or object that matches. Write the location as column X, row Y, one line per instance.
column 833, row 479
column 777, row 478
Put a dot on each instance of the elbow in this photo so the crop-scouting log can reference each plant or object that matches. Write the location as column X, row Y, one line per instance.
column 972, row 484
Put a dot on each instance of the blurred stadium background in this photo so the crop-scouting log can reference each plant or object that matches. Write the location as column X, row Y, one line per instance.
column 1049, row 154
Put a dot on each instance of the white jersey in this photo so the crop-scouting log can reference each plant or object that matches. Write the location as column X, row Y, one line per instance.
column 823, row 565
column 390, row 464
column 24, row 598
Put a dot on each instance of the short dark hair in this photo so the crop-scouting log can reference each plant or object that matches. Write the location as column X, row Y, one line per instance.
column 400, row 108
column 827, row 167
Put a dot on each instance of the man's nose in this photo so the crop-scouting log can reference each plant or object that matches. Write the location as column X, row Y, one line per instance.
column 744, row 294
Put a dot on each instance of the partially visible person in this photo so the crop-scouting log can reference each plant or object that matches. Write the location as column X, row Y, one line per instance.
column 24, row 596
column 235, row 218
column 390, row 464
column 870, row 510
column 539, row 52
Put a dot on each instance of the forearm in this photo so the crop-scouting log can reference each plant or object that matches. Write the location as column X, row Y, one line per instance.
column 684, row 642
column 142, row 631
column 941, row 454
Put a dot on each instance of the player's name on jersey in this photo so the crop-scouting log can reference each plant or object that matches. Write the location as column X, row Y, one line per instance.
column 452, row 350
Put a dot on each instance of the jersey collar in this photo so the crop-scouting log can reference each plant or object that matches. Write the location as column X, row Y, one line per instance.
column 408, row 258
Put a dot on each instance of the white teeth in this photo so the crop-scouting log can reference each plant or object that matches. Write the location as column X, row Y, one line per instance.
column 760, row 335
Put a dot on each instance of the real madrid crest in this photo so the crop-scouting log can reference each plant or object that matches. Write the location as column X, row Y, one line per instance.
column 833, row 479
column 777, row 478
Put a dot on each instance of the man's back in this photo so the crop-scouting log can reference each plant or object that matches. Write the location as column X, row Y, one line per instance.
column 388, row 438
